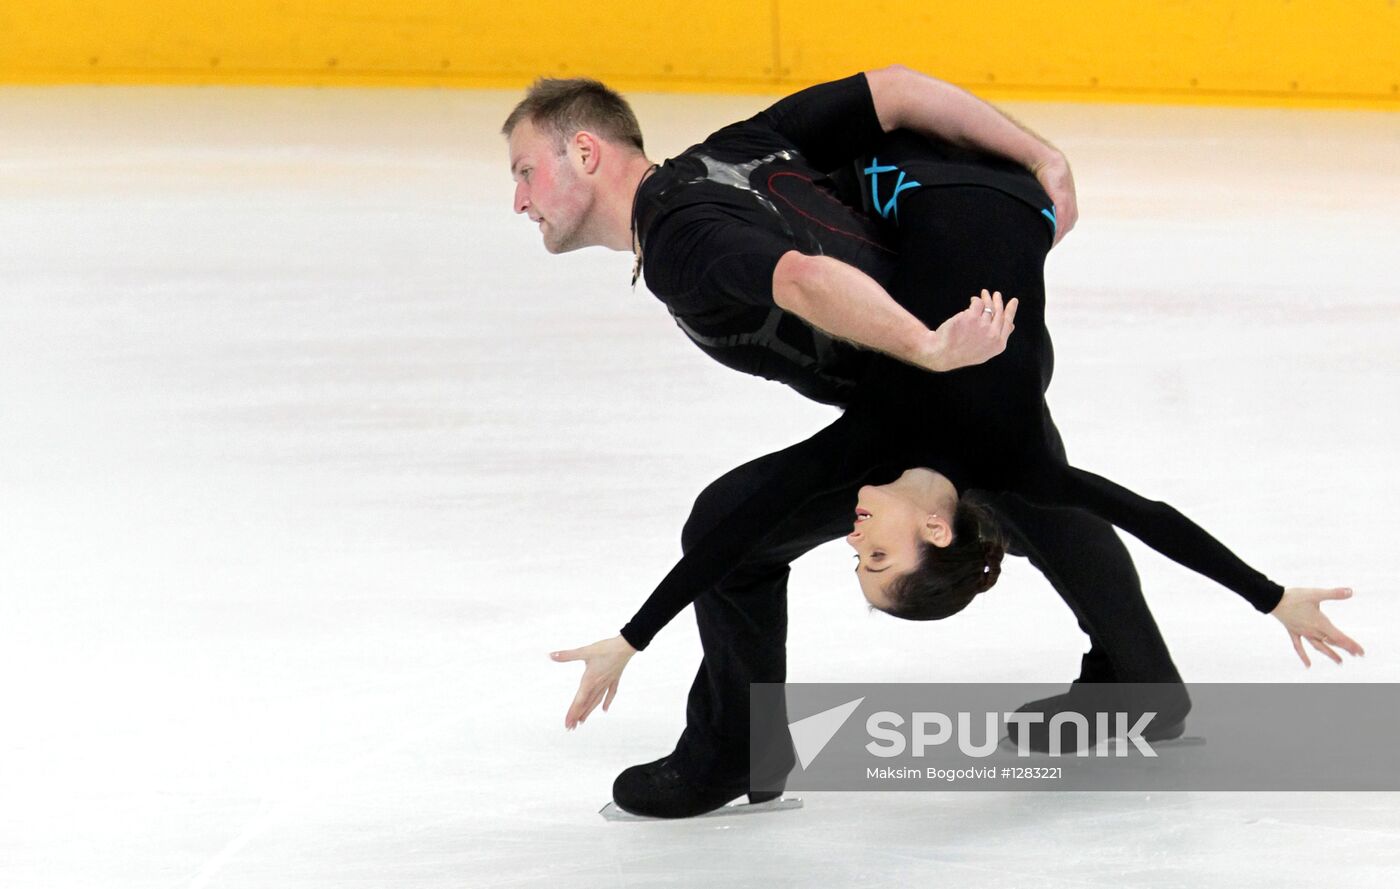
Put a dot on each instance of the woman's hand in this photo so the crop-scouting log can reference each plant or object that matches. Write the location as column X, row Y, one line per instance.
column 603, row 663
column 1300, row 612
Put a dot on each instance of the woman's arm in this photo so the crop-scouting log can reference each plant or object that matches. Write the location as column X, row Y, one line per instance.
column 839, row 455
column 1178, row 538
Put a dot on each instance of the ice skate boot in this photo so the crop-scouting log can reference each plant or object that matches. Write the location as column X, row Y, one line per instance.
column 658, row 790
column 1168, row 700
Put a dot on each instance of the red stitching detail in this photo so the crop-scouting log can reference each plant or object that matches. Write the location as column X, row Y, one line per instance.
column 805, row 215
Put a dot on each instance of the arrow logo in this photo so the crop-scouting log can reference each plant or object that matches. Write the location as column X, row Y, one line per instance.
column 812, row 733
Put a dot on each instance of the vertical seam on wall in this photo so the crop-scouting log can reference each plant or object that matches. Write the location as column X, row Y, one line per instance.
column 777, row 44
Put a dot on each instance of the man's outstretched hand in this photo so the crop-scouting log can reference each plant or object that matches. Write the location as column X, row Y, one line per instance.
column 972, row 336
column 603, row 663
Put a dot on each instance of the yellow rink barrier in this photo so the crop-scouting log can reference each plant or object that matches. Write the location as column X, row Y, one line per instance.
column 1291, row 52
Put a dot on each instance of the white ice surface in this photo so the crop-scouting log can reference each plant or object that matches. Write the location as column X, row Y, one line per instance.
column 309, row 453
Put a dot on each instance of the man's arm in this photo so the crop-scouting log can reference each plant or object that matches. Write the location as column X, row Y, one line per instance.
column 906, row 99
column 848, row 304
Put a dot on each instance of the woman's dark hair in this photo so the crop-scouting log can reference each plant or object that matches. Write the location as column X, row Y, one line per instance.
column 948, row 577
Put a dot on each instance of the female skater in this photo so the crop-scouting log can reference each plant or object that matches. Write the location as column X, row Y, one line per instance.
column 934, row 437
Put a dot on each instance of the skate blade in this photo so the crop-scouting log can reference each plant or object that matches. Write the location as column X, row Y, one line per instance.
column 612, row 813
column 1006, row 745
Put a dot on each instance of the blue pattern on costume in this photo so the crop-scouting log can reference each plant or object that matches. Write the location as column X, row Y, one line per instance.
column 900, row 185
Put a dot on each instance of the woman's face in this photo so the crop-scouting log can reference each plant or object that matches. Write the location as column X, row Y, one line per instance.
column 889, row 526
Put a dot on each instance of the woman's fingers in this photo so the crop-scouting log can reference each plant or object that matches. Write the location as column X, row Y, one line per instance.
column 1325, row 649
column 575, row 713
column 576, row 710
column 1345, row 643
column 579, row 708
column 591, row 704
column 1336, row 637
column 584, row 702
column 603, row 694
column 1298, row 647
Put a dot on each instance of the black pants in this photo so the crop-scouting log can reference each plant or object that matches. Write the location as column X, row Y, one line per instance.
column 980, row 238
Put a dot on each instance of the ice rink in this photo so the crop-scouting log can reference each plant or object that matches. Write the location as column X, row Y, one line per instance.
column 309, row 453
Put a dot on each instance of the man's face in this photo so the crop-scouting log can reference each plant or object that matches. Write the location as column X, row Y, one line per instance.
column 549, row 188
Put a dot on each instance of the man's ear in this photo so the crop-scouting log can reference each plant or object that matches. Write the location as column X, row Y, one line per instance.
column 936, row 530
column 587, row 150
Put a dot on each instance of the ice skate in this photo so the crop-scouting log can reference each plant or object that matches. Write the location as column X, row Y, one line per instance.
column 656, row 790
column 1167, row 729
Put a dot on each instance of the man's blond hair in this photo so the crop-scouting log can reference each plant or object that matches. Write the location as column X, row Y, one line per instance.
column 563, row 107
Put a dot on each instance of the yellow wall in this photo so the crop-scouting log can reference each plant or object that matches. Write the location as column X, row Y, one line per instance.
column 1237, row 51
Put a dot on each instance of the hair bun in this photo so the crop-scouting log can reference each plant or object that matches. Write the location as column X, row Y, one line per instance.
column 992, row 553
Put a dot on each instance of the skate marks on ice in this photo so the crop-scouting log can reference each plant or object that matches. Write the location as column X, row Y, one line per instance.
column 611, row 812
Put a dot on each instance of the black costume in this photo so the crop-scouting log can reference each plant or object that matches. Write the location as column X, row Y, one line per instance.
column 985, row 427
column 713, row 223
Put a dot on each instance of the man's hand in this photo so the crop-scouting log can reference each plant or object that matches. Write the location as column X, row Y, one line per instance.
column 1055, row 177
column 848, row 304
column 972, row 336
column 1300, row 612
column 907, row 100
column 603, row 665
